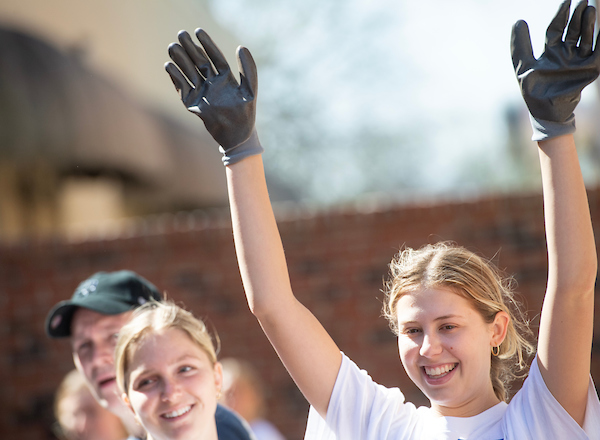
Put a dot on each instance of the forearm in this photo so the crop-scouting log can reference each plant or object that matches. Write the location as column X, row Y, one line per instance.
column 571, row 248
column 307, row 351
column 257, row 241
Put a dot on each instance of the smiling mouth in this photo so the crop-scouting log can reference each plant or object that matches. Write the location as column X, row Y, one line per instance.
column 106, row 382
column 439, row 372
column 177, row 413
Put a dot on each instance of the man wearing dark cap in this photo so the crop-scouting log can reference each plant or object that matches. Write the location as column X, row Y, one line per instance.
column 92, row 318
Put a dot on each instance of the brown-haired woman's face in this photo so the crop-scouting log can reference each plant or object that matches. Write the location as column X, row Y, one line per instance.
column 444, row 345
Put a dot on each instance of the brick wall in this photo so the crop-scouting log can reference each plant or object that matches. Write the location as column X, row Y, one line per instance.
column 337, row 263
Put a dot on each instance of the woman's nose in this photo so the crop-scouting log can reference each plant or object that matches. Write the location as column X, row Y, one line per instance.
column 171, row 390
column 431, row 345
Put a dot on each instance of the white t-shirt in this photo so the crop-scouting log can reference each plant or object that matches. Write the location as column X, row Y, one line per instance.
column 362, row 409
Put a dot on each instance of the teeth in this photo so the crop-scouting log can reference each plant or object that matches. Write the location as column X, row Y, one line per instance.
column 439, row 371
column 177, row 413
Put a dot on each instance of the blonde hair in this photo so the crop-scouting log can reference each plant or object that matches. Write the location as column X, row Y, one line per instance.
column 448, row 265
column 153, row 317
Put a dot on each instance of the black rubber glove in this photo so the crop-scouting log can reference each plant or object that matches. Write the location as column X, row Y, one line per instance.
column 552, row 84
column 209, row 90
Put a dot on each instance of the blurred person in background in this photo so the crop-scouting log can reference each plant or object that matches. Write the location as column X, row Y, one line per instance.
column 79, row 416
column 244, row 393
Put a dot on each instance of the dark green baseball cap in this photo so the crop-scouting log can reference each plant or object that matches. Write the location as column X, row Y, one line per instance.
column 109, row 293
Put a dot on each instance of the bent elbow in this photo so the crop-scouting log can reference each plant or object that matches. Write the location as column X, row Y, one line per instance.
column 261, row 309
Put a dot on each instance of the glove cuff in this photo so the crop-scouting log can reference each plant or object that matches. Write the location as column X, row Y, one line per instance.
column 544, row 130
column 250, row 147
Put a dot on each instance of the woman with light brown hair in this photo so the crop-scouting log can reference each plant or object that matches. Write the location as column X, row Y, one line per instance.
column 167, row 370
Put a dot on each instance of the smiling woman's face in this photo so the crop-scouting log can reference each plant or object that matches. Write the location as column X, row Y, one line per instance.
column 173, row 386
column 445, row 347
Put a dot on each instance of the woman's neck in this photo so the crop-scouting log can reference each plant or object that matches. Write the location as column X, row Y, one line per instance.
column 211, row 434
column 467, row 409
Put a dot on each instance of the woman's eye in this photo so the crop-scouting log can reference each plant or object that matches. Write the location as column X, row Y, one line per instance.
column 185, row 369
column 144, row 383
column 412, row 331
column 448, row 327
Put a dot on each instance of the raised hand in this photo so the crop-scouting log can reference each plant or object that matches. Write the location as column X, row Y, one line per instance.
column 551, row 85
column 208, row 89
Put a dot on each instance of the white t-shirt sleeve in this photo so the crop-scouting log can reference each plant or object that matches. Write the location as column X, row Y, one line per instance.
column 361, row 409
column 534, row 413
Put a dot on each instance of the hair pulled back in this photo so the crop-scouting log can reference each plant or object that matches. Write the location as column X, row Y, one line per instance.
column 447, row 265
column 154, row 317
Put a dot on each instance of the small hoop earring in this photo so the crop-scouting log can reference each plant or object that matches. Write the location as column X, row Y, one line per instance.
column 496, row 350
column 219, row 394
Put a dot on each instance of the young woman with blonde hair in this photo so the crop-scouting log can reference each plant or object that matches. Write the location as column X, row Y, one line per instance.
column 167, row 370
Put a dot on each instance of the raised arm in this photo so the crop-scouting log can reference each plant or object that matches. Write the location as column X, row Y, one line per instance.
column 551, row 86
column 227, row 108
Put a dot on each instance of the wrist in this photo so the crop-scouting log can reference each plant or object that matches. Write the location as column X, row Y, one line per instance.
column 250, row 147
column 544, row 130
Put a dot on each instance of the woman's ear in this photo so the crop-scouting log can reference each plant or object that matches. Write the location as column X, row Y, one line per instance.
column 499, row 328
column 218, row 371
column 125, row 399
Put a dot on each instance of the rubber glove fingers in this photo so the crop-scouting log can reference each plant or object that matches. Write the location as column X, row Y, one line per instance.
column 556, row 28
column 197, row 55
column 575, row 24
column 248, row 73
column 181, row 84
column 520, row 47
column 213, row 52
column 185, row 63
column 587, row 31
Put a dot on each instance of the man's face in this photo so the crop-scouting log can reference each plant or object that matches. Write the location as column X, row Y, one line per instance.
column 93, row 339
